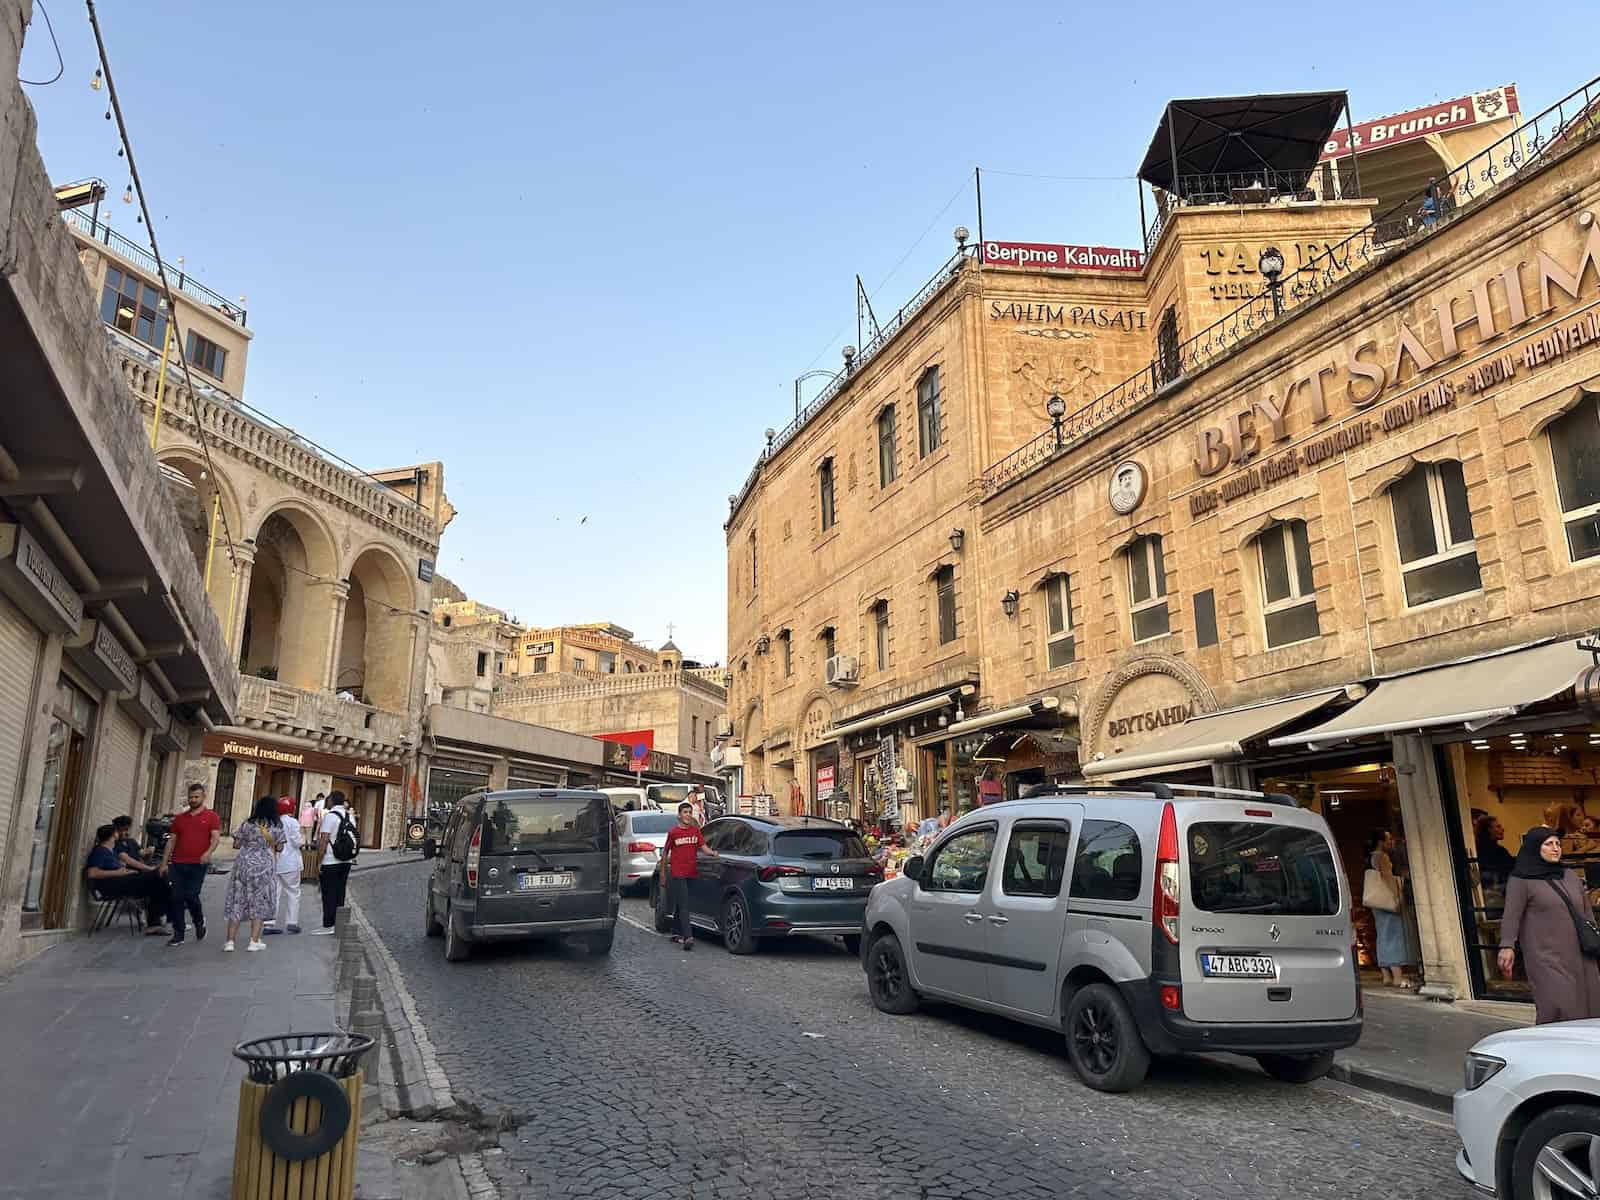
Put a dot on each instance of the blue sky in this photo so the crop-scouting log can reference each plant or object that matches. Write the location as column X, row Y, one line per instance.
column 579, row 253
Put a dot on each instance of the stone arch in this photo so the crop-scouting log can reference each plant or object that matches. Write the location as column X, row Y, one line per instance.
column 193, row 488
column 288, row 616
column 816, row 718
column 1191, row 681
column 374, row 639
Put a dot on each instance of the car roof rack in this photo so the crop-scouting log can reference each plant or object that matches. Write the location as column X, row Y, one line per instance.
column 1162, row 791
column 1222, row 793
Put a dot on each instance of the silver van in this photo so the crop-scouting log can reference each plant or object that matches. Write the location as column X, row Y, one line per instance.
column 1139, row 919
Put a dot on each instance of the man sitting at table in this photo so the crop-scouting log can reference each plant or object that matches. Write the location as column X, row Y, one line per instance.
column 127, row 849
column 108, row 876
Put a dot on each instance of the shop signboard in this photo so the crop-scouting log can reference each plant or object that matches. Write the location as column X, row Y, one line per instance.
column 640, row 742
column 761, row 805
column 274, row 754
column 679, row 768
column 35, row 584
column 1050, row 256
column 1460, row 113
column 887, row 804
column 825, row 777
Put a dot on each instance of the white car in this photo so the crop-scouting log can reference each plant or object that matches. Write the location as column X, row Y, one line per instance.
column 1529, row 1115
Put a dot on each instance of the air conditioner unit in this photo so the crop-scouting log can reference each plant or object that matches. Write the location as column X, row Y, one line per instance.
column 724, row 727
column 843, row 670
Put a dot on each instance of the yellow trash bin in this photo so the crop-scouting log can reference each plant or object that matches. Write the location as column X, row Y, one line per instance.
column 299, row 1117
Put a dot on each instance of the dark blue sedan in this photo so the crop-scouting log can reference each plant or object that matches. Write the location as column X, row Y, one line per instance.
column 774, row 877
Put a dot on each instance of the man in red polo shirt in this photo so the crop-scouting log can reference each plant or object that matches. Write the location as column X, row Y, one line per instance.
column 195, row 834
column 684, row 842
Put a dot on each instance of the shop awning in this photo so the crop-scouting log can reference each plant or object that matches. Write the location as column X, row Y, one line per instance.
column 1215, row 737
column 891, row 715
column 998, row 748
column 1473, row 694
column 1002, row 716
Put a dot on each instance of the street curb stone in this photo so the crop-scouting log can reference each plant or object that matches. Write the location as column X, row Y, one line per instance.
column 1372, row 1080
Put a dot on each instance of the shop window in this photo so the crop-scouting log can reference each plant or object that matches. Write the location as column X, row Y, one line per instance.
column 929, row 434
column 1036, row 860
column 1147, row 588
column 134, row 307
column 786, row 640
column 944, row 585
column 961, row 864
column 888, row 466
column 1167, row 368
column 1060, row 647
column 1110, row 864
column 1575, row 447
column 880, row 633
column 1433, row 529
column 1289, row 594
column 206, row 354
column 825, row 493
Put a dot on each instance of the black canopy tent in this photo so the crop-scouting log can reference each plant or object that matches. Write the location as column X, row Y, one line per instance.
column 1276, row 138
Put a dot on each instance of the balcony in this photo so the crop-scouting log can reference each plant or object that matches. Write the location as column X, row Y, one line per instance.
column 343, row 725
column 93, row 229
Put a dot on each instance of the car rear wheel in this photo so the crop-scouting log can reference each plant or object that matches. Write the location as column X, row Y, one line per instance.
column 737, row 935
column 430, row 923
column 658, row 906
column 887, row 977
column 1558, row 1155
column 1296, row 1068
column 1103, row 1041
column 456, row 947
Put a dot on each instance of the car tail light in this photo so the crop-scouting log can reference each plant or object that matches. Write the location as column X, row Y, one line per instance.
column 1169, row 884
column 1355, row 969
column 1258, row 812
column 768, row 874
column 474, row 852
column 641, row 847
column 1171, row 998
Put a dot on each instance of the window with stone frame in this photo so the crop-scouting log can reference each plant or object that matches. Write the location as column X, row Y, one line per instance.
column 1575, row 451
column 888, row 451
column 752, row 562
column 1433, row 533
column 786, row 640
column 830, row 641
column 1147, row 588
column 944, row 589
column 135, row 307
column 1288, row 592
column 1060, row 633
column 1168, row 360
column 880, row 633
column 825, row 493
column 929, row 433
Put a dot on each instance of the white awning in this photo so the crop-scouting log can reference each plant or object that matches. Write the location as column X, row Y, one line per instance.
column 1473, row 694
column 1020, row 712
column 1214, row 737
column 890, row 716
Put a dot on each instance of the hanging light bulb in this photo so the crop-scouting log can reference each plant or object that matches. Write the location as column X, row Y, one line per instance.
column 94, row 83
column 127, row 194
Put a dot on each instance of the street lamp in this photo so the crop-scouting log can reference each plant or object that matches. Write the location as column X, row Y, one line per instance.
column 849, row 355
column 1009, row 602
column 1057, row 408
column 1271, row 264
column 957, row 537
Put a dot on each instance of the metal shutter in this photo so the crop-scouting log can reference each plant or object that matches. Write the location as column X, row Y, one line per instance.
column 19, row 663
column 118, row 769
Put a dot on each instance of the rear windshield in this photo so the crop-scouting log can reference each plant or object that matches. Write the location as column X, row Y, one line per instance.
column 536, row 823
column 820, row 844
column 666, row 794
column 1250, row 867
column 653, row 822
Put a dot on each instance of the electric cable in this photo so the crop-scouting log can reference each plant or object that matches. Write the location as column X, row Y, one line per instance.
column 61, row 64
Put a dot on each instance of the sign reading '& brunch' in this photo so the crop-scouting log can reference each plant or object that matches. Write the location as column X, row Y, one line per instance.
column 1049, row 256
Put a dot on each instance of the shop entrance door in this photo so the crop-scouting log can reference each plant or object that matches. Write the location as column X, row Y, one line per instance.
column 55, row 832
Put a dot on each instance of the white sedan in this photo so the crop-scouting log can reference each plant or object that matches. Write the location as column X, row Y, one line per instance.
column 1529, row 1115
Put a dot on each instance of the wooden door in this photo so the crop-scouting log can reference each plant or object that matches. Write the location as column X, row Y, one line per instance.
column 63, row 853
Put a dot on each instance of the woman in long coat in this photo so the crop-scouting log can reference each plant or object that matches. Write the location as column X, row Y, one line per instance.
column 1566, row 985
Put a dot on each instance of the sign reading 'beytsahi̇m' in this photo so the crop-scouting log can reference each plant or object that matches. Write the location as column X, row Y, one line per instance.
column 1049, row 256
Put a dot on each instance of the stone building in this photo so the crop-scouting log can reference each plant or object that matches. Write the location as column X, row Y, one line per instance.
column 318, row 571
column 111, row 661
column 1332, row 539
column 566, row 654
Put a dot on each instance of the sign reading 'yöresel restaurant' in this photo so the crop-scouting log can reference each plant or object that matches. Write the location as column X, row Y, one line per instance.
column 276, row 754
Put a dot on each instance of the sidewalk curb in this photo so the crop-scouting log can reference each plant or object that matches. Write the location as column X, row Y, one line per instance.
column 1372, row 1080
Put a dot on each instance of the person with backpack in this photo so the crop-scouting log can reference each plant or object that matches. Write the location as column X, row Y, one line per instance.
column 338, row 840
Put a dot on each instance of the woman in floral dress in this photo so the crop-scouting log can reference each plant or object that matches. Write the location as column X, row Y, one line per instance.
column 252, row 887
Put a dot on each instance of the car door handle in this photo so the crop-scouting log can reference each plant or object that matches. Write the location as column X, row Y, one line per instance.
column 972, row 918
column 1000, row 920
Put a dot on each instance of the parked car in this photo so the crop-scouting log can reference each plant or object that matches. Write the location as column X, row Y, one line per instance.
column 774, row 877
column 641, row 834
column 524, row 864
column 1138, row 919
column 629, row 799
column 1529, row 1114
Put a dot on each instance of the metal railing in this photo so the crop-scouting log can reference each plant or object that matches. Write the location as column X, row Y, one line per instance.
column 1571, row 120
column 100, row 231
column 885, row 332
column 1239, row 187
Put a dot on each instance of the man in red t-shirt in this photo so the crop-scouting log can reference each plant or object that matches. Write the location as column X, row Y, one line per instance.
column 683, row 844
column 195, row 834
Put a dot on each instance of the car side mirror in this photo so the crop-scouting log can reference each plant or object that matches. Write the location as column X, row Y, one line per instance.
column 430, row 847
column 913, row 867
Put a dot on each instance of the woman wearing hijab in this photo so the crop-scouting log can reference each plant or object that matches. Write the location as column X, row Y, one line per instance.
column 1566, row 985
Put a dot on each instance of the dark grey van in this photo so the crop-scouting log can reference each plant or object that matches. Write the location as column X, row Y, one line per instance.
column 528, row 863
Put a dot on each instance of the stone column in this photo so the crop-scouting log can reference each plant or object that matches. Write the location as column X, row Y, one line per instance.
column 1432, row 863
column 340, row 589
column 245, row 554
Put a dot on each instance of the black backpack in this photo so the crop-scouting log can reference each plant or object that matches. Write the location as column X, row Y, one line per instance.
column 344, row 845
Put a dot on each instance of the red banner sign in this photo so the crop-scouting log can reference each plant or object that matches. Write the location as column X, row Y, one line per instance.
column 1047, row 256
column 639, row 743
column 1460, row 113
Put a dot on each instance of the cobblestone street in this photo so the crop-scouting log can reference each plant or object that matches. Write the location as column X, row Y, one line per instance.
column 656, row 1073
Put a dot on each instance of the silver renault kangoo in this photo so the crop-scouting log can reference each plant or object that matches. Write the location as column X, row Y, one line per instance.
column 1139, row 919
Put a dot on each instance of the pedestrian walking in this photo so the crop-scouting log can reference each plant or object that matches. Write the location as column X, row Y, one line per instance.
column 190, row 845
column 252, row 885
column 339, row 841
column 1549, row 916
column 286, row 918
column 684, row 844
column 1383, row 893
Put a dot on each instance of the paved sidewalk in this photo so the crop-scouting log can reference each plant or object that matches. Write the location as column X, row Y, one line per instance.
column 120, row 1078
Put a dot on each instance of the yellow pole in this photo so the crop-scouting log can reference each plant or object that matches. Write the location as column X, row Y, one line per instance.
column 233, row 595
column 161, row 387
column 211, row 546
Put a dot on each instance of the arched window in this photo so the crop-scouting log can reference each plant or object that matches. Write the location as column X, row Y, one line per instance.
column 944, row 586
column 1288, row 593
column 888, row 466
column 1167, row 366
column 1147, row 588
column 929, row 433
column 1433, row 532
column 825, row 493
column 1575, row 447
column 880, row 633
